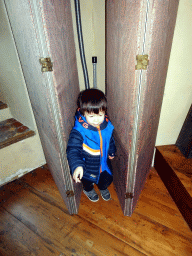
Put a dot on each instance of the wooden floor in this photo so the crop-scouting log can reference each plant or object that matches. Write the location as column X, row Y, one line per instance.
column 35, row 221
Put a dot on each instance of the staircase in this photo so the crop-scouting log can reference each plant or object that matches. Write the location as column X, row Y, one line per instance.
column 11, row 131
column 19, row 147
column 175, row 170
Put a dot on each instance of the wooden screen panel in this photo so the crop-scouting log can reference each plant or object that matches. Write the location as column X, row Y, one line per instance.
column 135, row 96
column 44, row 29
column 158, row 41
column 58, row 21
column 120, row 63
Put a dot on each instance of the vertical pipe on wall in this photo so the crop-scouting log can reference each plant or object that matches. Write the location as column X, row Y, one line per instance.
column 81, row 44
column 94, row 61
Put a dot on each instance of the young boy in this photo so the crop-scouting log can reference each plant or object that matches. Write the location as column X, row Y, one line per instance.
column 91, row 144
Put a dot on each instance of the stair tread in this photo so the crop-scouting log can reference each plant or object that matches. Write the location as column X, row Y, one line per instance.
column 177, row 161
column 12, row 131
column 3, row 105
column 168, row 164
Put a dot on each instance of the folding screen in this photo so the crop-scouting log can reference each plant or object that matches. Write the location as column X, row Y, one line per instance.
column 138, row 44
column 44, row 29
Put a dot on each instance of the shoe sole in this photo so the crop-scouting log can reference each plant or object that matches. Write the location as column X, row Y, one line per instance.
column 91, row 199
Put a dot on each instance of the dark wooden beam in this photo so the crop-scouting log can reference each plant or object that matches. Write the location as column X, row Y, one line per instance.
column 174, row 186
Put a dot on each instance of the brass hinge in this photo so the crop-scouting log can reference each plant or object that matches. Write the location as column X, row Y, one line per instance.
column 70, row 193
column 46, row 63
column 129, row 195
column 142, row 62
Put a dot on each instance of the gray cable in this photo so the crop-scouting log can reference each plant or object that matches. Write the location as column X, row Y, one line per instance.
column 81, row 45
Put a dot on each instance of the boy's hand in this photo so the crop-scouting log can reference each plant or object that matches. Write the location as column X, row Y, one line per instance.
column 78, row 174
column 111, row 157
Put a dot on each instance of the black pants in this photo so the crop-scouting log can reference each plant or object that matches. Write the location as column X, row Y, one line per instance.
column 104, row 181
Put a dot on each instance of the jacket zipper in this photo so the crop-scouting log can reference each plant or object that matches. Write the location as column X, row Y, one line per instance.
column 101, row 144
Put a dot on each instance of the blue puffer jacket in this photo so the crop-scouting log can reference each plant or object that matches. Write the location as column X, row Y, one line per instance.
column 90, row 147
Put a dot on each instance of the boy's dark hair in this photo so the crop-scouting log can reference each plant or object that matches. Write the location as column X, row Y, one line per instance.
column 92, row 101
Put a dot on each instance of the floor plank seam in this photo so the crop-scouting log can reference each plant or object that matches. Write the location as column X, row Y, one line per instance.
column 43, row 196
column 111, row 234
column 33, row 188
column 47, row 241
column 163, row 226
column 46, row 199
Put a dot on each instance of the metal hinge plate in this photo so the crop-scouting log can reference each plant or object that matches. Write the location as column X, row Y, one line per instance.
column 129, row 195
column 142, row 62
column 70, row 193
column 46, row 64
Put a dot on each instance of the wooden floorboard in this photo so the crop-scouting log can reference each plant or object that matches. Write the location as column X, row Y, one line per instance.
column 35, row 221
column 17, row 239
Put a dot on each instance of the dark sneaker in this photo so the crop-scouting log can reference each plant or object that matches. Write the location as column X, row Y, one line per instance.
column 105, row 194
column 92, row 195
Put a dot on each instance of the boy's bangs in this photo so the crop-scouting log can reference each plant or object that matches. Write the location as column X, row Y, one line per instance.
column 91, row 108
column 95, row 109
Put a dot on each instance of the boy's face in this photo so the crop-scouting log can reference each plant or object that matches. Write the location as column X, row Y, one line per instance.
column 95, row 119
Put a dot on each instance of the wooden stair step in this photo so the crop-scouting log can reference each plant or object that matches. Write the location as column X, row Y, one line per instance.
column 170, row 163
column 179, row 163
column 3, row 105
column 12, row 131
column 177, row 160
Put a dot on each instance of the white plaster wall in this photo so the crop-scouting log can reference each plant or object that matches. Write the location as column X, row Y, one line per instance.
column 13, row 90
column 178, row 88
column 93, row 27
column 26, row 155
column 20, row 158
